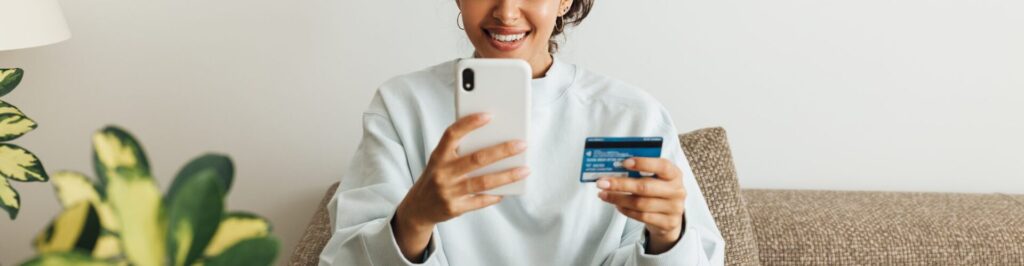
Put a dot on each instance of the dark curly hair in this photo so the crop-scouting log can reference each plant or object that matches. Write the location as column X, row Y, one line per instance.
column 577, row 12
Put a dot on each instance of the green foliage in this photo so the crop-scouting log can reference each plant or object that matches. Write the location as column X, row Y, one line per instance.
column 9, row 79
column 126, row 221
column 16, row 163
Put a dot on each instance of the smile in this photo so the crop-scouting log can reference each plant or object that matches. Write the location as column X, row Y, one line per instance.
column 506, row 40
column 507, row 37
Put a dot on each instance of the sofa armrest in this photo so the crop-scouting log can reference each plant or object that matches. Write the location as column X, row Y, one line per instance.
column 889, row 228
column 318, row 232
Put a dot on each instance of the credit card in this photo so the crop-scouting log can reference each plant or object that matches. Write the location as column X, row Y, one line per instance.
column 603, row 156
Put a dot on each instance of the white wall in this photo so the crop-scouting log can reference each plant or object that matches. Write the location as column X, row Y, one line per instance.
column 922, row 95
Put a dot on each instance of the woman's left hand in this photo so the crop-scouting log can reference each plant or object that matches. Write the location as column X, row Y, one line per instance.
column 655, row 201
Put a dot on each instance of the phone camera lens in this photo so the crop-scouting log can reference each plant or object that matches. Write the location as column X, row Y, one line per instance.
column 467, row 79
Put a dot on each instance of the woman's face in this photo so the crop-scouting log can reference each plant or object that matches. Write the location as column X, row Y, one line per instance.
column 511, row 28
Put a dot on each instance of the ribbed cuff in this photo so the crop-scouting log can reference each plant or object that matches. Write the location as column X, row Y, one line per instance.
column 385, row 241
column 687, row 251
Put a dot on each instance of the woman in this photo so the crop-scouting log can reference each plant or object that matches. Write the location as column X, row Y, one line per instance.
column 407, row 200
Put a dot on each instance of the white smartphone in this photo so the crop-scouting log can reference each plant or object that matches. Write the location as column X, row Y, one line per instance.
column 500, row 87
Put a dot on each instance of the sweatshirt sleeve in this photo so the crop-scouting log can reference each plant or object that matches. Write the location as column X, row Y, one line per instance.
column 701, row 242
column 362, row 208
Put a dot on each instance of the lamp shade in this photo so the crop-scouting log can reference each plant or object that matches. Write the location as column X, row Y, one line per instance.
column 31, row 23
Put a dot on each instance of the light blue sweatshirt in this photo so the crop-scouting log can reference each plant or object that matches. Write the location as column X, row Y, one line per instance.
column 558, row 221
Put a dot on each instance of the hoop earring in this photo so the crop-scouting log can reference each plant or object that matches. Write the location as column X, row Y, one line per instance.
column 458, row 21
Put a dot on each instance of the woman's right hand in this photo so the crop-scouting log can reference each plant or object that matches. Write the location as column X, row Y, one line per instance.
column 444, row 191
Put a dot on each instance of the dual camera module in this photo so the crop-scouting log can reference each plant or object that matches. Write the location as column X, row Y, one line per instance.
column 467, row 79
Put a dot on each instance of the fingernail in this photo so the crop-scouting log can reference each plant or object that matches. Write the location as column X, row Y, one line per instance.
column 484, row 117
column 523, row 172
column 629, row 163
column 602, row 195
column 520, row 146
column 603, row 183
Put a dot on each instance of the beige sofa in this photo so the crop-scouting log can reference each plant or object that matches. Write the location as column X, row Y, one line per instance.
column 807, row 227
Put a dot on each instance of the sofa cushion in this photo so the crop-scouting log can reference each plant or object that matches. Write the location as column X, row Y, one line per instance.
column 711, row 160
column 807, row 227
column 318, row 232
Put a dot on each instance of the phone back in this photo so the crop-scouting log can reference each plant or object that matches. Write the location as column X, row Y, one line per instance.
column 500, row 87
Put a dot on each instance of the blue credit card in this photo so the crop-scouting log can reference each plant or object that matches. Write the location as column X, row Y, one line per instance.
column 603, row 156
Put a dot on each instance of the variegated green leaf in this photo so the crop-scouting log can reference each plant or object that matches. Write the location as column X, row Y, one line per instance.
column 9, row 199
column 13, row 123
column 253, row 251
column 137, row 204
column 9, row 79
column 133, row 194
column 216, row 164
column 235, row 227
column 108, row 219
column 67, row 258
column 74, row 187
column 116, row 152
column 19, row 164
column 195, row 203
column 76, row 228
column 108, row 246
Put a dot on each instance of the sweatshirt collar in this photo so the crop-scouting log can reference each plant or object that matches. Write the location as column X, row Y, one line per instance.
column 554, row 84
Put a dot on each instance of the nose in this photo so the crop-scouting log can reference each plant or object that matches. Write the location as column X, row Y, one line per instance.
column 507, row 11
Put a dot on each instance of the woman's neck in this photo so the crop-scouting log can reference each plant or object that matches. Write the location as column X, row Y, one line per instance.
column 541, row 65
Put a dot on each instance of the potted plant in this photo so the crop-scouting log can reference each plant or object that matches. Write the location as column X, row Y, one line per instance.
column 120, row 218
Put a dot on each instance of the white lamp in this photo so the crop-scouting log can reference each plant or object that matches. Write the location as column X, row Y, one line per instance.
column 31, row 23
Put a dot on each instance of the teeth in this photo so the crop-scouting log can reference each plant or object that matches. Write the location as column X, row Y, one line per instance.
column 507, row 38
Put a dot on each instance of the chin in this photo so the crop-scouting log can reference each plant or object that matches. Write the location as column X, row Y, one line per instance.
column 521, row 53
column 504, row 55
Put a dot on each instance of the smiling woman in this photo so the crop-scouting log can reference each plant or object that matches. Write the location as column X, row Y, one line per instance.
column 520, row 29
column 408, row 197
